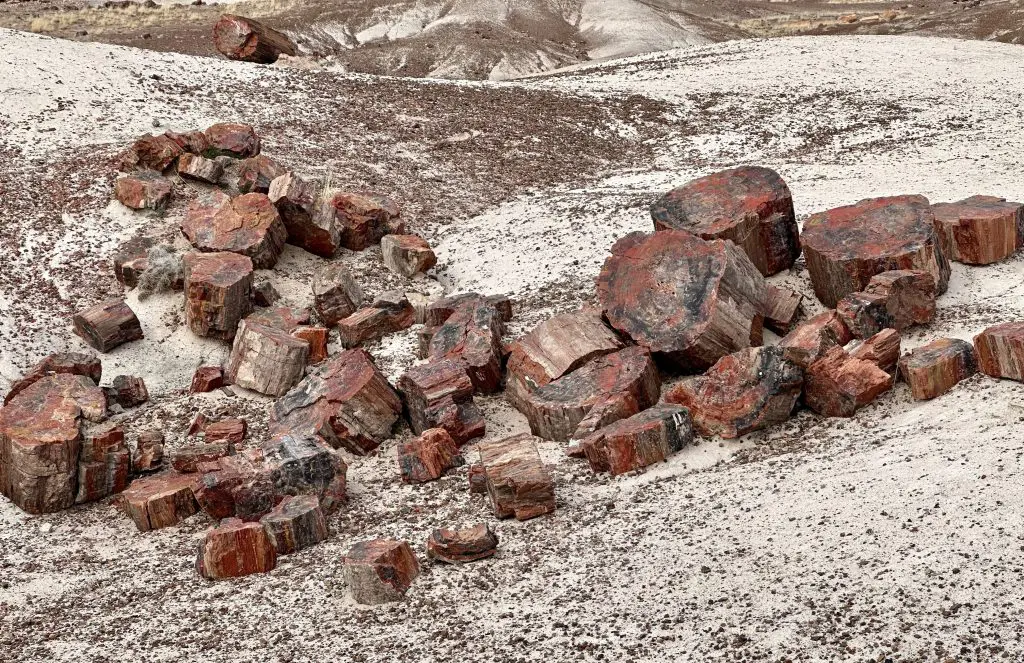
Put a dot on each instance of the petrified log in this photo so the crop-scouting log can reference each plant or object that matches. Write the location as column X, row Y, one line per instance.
column 980, row 230
column 477, row 479
column 160, row 500
column 933, row 369
column 462, row 545
column 308, row 228
column 1000, row 351
column 206, row 379
column 782, row 309
column 362, row 218
column 145, row 189
column 217, row 287
column 317, row 339
column 407, row 255
column 127, row 391
column 238, row 141
column 690, row 302
column 646, row 438
column 391, row 312
column 882, row 350
column 380, row 571
column 156, row 153
column 349, row 403
column 895, row 299
column 336, row 294
column 745, row 391
column 750, row 205
column 193, row 142
column 131, row 260
column 234, row 549
column 472, row 335
column 236, row 486
column 200, row 169
column 837, row 385
column 229, row 430
column 295, row 524
column 428, row 457
column 249, row 225
column 439, row 394
column 439, row 311
column 812, row 339
column 186, row 459
column 104, row 464
column 282, row 318
column 306, row 465
column 518, row 483
column 107, row 325
column 264, row 294
column 255, row 175
column 265, row 359
column 240, row 38
column 73, row 363
column 846, row 246
column 149, row 451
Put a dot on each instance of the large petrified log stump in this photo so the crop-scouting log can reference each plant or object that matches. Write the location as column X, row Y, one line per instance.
column 646, row 438
column 389, row 313
column 980, row 230
column 160, row 500
column 745, row 391
column 200, row 169
column 73, row 363
column 148, row 152
column 240, row 38
column 608, row 388
column 518, row 483
column 837, row 385
column 688, row 301
column 428, row 457
column 295, row 524
column 267, row 360
column 882, row 350
column 362, row 218
column 750, row 205
column 472, row 335
column 407, row 255
column 234, row 549
column 255, row 175
column 348, row 402
column 782, row 308
column 336, row 294
column 217, row 287
column 812, row 339
column 1000, row 351
column 108, row 325
column 309, row 229
column 933, row 369
column 248, row 224
column 145, row 189
column 238, row 141
column 462, row 545
column 846, row 246
column 439, row 394
column 895, row 299
column 380, row 571
column 104, row 464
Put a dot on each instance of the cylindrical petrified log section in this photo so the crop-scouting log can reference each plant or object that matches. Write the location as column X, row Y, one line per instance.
column 240, row 38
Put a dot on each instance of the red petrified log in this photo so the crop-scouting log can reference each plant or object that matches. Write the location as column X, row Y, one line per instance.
column 462, row 545
column 255, row 175
column 882, row 350
column 73, row 363
column 439, row 394
column 980, row 230
column 407, row 255
column 391, row 312
column 236, row 486
column 160, row 500
column 439, row 311
column 131, row 260
column 363, row 218
column 837, row 385
column 200, row 169
column 150, row 153
column 472, row 335
column 317, row 339
column 248, row 224
column 895, row 299
column 206, row 379
column 811, row 340
column 1000, row 351
column 240, row 38
column 646, row 438
column 933, row 369
column 336, row 294
column 186, row 459
column 428, row 457
column 239, row 141
column 782, row 309
column 266, row 359
column 127, row 391
column 295, row 524
column 193, row 142
column 230, row 430
column 380, row 571
column 217, row 287
column 145, row 189
column 149, row 451
column 234, row 549
column 308, row 228
column 104, row 464
column 108, row 325
column 518, row 483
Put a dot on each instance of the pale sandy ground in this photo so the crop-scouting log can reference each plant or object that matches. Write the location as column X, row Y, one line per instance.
column 895, row 534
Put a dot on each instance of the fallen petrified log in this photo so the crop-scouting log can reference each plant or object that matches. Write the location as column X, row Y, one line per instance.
column 518, row 483
column 812, row 339
column 390, row 312
column 317, row 338
column 750, row 205
column 127, row 391
column 407, row 255
column 234, row 549
column 439, row 394
column 104, row 464
column 980, row 230
column 206, row 379
column 107, row 325
column 428, row 456
column 380, row 571
column 846, row 246
column 160, row 500
column 782, row 308
column 837, row 385
column 882, row 350
column 186, row 459
column 1000, row 351
column 217, row 288
column 895, row 299
column 241, row 38
column 933, row 369
column 648, row 437
column 248, row 224
column 308, row 227
column 72, row 363
column 145, row 189
column 238, row 141
column 295, row 524
column 266, row 359
column 336, row 294
column 462, row 545
column 200, row 169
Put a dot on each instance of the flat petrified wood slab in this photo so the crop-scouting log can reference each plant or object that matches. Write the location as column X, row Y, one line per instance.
column 518, row 483
column 1000, row 351
column 646, row 438
column 74, row 363
column 980, row 230
column 933, row 369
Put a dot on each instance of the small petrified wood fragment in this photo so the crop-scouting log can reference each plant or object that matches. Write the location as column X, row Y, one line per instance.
column 206, row 379
column 439, row 394
column 472, row 336
column 238, row 141
column 980, row 230
column 428, row 456
column 186, row 459
column 255, row 175
column 782, row 309
column 336, row 294
column 895, row 299
column 646, row 438
column 933, row 369
column 249, row 225
column 160, row 500
column 234, row 549
column 128, row 391
column 200, row 169
column 477, row 479
column 108, row 325
column 308, row 227
column 265, row 359
column 391, row 312
column 131, row 260
column 1000, row 351
column 229, row 430
column 407, row 255
column 145, row 189
column 882, row 350
column 317, row 339
column 104, row 464
column 72, row 363
column 362, row 218
column 156, row 153
column 380, row 571
column 217, row 288
column 518, row 483
column 295, row 524
column 462, row 545
column 812, row 339
column 837, row 385
column 149, row 452
column 241, row 38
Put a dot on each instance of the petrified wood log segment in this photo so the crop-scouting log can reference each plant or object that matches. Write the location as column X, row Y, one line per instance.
column 206, row 379
column 391, row 312
column 265, row 359
column 236, row 486
column 439, row 311
column 980, row 230
column 160, row 500
column 349, row 403
column 933, row 369
column 462, row 545
column 128, row 391
column 131, row 260
column 156, row 153
column 72, row 363
column 472, row 335
column 882, row 350
column 240, row 38
column 149, row 451
column 439, row 394
column 238, row 141
column 282, row 318
column 229, row 430
column 255, row 175
column 782, row 309
column 317, row 339
column 249, row 225
column 336, row 294
column 518, row 483
column 217, row 287
column 895, row 299
column 362, row 218
column 750, row 205
column 380, row 571
column 308, row 228
column 688, row 301
column 145, row 189
column 846, row 246
column 306, row 465
column 104, row 464
column 745, row 391
column 193, row 142
column 646, row 438
column 234, row 549
column 186, row 459
column 812, row 339
column 108, row 325
column 1000, row 351
column 295, row 524
column 477, row 479
column 837, row 385
column 407, row 255
column 428, row 457
column 608, row 388
column 200, row 169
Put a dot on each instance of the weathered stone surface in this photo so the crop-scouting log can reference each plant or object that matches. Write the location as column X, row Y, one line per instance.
column 200, row 169
column 980, row 230
column 933, row 369
column 265, row 359
column 812, row 339
column 690, row 302
column 380, row 571
column 362, row 217
column 72, row 363
column 407, row 255
column 236, row 486
column 240, row 38
column 249, row 225
column 462, row 545
column 264, row 294
column 156, row 153
column 349, row 403
column 643, row 439
column 145, row 189
column 895, row 299
column 295, row 524
column 428, row 457
column 239, row 141
column 439, row 394
column 186, row 459
column 882, row 350
column 750, row 205
column 336, row 295
column 206, row 379
column 439, row 311
column 846, row 246
column 229, row 430
column 310, row 226
column 477, row 479
column 160, row 500
column 149, row 452
column 317, row 339
column 1000, row 351
column 255, row 175
column 234, row 549
column 782, row 309
column 127, row 391
column 518, row 483
column 306, row 465
column 131, row 260
column 193, row 142
column 282, row 317
column 391, row 312
column 745, row 391
column 837, row 385
column 104, row 464
column 472, row 335
column 217, row 288
column 107, row 325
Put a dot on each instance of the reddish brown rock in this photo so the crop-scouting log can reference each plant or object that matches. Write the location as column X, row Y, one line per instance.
column 160, row 500
column 283, row 318
column 1000, row 351
column 239, row 141
column 688, row 301
column 428, row 457
column 186, row 459
column 462, row 545
column 310, row 225
column 837, row 385
column 230, row 430
column 249, row 225
column 472, row 335
column 477, row 479
column 646, row 438
column 265, row 359
column 882, row 350
column 193, row 142
column 241, row 38
column 206, row 379
column 811, row 340
column 750, row 205
column 782, row 309
column 145, row 189
column 336, row 294
column 104, row 464
column 895, row 299
column 234, row 549
column 439, row 311
column 391, row 312
column 255, row 175
column 933, row 369
column 264, row 294
column 131, row 260
column 518, row 483
column 149, row 452
column 362, row 218
column 407, row 255
column 439, row 394
column 72, row 363
column 348, row 402
column 200, row 169
column 108, row 325
column 295, row 524
column 380, row 571
column 156, row 153
column 846, row 246
column 980, row 230
column 127, row 391
column 217, row 287
column 236, row 486
column 317, row 339
column 306, row 465
column 198, row 424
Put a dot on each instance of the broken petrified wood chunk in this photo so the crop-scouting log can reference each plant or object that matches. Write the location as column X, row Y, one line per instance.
column 206, row 379
column 646, row 438
column 193, row 142
column 428, row 457
column 309, row 227
column 380, row 571
column 128, row 391
column 160, row 500
column 108, row 325
column 149, row 451
column 255, row 175
column 362, row 218
column 200, row 169
column 317, row 339
column 812, row 339
column 236, row 486
column 439, row 394
column 306, row 465
column 336, row 294
column 846, row 246
column 229, row 430
column 688, row 301
column 477, row 479
column 295, row 524
column 882, row 350
column 234, row 549
column 745, row 391
column 73, row 363
column 264, row 294
column 462, row 545
column 391, row 312
column 282, row 318
column 217, row 287
column 439, row 311
column 980, row 230
column 472, row 335
column 518, row 483
column 933, row 369
column 750, row 205
column 837, row 385
column 155, row 153
column 186, row 459
column 241, row 38
column 238, row 141
column 131, row 260
column 407, row 255
column 145, row 189
column 104, row 464
column 782, row 309
column 895, row 299
column 266, row 360
column 249, row 225
column 1000, row 351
